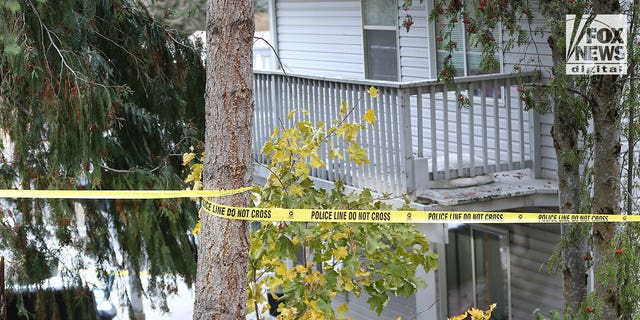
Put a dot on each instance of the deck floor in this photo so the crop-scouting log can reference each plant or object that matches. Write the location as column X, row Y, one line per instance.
column 506, row 185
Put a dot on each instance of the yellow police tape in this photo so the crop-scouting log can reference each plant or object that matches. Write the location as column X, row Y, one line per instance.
column 398, row 216
column 320, row 215
column 118, row 194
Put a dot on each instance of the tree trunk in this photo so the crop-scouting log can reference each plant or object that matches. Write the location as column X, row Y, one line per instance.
column 135, row 294
column 565, row 134
column 605, row 109
column 3, row 300
column 606, row 184
column 223, row 249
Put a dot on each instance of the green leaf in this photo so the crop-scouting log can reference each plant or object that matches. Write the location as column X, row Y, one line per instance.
column 377, row 302
column 331, row 276
column 285, row 248
column 325, row 307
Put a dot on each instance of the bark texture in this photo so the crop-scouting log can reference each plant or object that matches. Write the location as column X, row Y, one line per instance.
column 3, row 301
column 565, row 134
column 224, row 245
column 605, row 109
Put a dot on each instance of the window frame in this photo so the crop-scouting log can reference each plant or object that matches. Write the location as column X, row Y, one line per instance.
column 365, row 42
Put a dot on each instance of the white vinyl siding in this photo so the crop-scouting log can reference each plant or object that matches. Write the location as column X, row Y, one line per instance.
column 321, row 38
column 414, row 45
column 533, row 287
column 534, row 54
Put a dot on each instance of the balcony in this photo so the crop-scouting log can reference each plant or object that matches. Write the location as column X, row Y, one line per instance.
column 423, row 137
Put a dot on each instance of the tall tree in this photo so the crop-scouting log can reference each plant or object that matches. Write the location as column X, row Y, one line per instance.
column 224, row 244
column 96, row 94
column 570, row 119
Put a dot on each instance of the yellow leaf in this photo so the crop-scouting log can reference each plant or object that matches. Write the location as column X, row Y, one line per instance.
column 335, row 153
column 399, row 318
column 187, row 157
column 357, row 154
column 267, row 148
column 339, row 235
column 369, row 116
column 342, row 310
column 348, row 285
column 287, row 313
column 350, row 131
column 290, row 115
column 316, row 163
column 362, row 273
column 476, row 313
column 196, row 229
column 373, row 92
column 340, row 252
column 460, row 317
column 343, row 108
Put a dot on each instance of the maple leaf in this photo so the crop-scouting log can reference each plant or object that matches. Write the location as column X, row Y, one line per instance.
column 373, row 92
column 369, row 116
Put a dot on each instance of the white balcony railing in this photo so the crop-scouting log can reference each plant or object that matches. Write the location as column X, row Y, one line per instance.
column 422, row 134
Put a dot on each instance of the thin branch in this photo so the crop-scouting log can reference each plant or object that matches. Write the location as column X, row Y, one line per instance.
column 274, row 52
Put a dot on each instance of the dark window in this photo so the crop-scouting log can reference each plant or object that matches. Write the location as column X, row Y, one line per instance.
column 477, row 270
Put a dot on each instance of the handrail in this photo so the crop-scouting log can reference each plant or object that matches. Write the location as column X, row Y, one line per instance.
column 401, row 84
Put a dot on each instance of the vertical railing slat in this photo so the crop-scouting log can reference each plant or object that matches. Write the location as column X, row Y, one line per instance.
column 459, row 136
column 397, row 152
column 485, row 123
column 507, row 102
column 434, row 133
column 419, row 124
column 386, row 143
column 445, row 129
column 522, row 134
column 472, row 134
column 496, row 125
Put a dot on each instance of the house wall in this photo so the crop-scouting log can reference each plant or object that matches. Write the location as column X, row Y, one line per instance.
column 321, row 38
column 532, row 286
column 324, row 38
column 414, row 45
column 536, row 54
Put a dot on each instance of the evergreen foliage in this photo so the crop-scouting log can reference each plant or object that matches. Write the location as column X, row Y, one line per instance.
column 96, row 95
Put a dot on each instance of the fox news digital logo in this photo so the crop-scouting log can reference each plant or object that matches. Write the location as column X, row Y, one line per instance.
column 596, row 44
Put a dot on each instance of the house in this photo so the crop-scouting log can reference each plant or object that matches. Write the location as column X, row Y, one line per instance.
column 493, row 156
